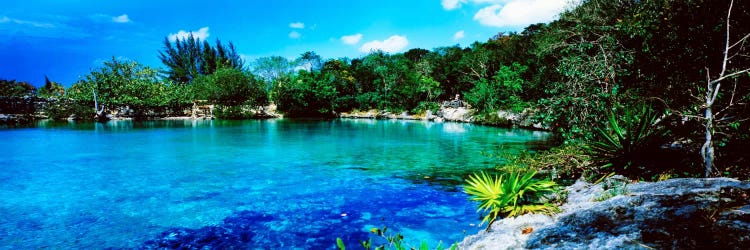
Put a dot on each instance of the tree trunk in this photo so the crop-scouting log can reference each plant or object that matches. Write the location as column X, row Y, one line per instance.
column 99, row 116
column 707, row 151
column 712, row 91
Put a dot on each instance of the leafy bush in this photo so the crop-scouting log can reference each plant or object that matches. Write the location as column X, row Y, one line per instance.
column 509, row 195
column 13, row 88
column 424, row 106
column 501, row 91
column 566, row 162
column 231, row 87
column 627, row 143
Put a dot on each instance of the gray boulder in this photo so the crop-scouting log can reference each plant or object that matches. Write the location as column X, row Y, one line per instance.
column 674, row 214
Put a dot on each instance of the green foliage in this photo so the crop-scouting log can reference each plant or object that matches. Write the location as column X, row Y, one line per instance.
column 340, row 244
column 501, row 91
column 13, row 88
column 271, row 68
column 64, row 109
column 423, row 107
column 231, row 87
column 392, row 241
column 566, row 162
column 627, row 140
column 190, row 58
column 509, row 195
column 307, row 94
column 127, row 84
column 51, row 89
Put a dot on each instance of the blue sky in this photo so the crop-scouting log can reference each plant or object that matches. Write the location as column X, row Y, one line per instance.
column 66, row 39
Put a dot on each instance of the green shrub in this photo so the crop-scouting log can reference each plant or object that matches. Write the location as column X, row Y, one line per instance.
column 509, row 195
column 424, row 106
column 566, row 162
column 626, row 143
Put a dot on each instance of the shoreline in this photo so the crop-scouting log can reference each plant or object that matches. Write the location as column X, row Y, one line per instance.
column 503, row 118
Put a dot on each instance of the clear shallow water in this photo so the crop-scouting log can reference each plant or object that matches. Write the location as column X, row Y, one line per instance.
column 272, row 184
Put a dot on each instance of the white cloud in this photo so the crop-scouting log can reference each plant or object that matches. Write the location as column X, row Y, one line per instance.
column 393, row 44
column 452, row 4
column 6, row 19
column 294, row 35
column 455, row 4
column 121, row 19
column 459, row 35
column 351, row 39
column 520, row 12
column 201, row 34
column 297, row 25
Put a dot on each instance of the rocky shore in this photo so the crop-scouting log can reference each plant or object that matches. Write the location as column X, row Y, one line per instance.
column 455, row 114
column 709, row 213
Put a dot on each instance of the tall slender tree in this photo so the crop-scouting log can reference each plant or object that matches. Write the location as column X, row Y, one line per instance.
column 190, row 57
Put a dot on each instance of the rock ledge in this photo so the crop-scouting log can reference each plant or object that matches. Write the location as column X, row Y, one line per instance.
column 674, row 214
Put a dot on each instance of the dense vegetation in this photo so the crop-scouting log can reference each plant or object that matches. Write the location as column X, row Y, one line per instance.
column 586, row 75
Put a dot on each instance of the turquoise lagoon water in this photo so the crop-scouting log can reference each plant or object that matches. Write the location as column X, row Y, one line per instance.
column 281, row 184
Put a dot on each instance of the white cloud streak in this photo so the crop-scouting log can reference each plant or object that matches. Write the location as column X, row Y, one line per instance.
column 459, row 35
column 455, row 4
column 6, row 19
column 451, row 4
column 294, row 35
column 393, row 44
column 200, row 34
column 121, row 19
column 351, row 39
column 297, row 25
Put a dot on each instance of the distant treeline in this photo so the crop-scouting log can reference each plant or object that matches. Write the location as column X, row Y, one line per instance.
column 602, row 57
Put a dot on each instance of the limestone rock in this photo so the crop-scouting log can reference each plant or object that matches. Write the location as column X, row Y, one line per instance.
column 459, row 114
column 674, row 214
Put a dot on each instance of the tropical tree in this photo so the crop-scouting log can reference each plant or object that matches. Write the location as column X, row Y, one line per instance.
column 13, row 88
column 120, row 83
column 51, row 89
column 271, row 68
column 729, row 69
column 309, row 61
column 231, row 87
column 501, row 91
column 190, row 57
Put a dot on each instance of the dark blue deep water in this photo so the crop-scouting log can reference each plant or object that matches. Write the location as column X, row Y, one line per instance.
column 279, row 184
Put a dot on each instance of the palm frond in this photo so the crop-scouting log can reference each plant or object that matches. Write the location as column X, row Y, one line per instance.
column 509, row 195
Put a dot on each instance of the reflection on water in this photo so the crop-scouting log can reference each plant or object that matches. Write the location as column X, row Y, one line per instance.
column 298, row 183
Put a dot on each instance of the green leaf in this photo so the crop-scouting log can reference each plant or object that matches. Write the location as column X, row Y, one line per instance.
column 424, row 246
column 340, row 244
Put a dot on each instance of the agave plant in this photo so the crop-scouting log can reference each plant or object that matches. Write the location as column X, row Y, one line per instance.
column 509, row 195
column 622, row 142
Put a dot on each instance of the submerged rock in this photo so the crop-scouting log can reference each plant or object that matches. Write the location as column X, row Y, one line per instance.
column 235, row 233
column 673, row 214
